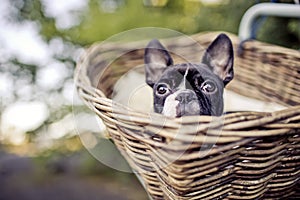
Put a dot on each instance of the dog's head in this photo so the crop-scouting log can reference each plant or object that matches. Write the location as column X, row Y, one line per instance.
column 189, row 89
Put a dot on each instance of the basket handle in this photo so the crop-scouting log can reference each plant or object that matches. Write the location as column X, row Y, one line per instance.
column 264, row 9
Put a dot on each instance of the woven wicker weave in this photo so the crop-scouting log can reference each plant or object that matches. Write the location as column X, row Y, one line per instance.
column 242, row 155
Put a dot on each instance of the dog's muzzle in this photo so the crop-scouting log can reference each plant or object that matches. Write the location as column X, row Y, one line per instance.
column 182, row 102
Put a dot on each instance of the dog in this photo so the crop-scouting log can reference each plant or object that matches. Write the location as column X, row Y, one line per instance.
column 189, row 88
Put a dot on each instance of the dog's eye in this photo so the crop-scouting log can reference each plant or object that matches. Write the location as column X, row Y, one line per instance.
column 162, row 89
column 208, row 86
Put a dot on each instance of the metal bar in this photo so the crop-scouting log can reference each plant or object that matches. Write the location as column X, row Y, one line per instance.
column 268, row 9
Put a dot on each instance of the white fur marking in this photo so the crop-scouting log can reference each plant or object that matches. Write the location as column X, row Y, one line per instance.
column 183, row 83
column 170, row 106
column 185, row 74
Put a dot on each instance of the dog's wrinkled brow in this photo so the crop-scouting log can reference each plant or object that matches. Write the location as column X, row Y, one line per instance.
column 178, row 78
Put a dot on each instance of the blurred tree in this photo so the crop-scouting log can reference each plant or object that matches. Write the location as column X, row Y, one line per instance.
column 107, row 17
column 281, row 31
column 100, row 23
column 33, row 10
column 227, row 17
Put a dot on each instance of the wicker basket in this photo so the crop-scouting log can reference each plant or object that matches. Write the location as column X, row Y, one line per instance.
column 241, row 155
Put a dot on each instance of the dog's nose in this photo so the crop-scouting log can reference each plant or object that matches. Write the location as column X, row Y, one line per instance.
column 185, row 97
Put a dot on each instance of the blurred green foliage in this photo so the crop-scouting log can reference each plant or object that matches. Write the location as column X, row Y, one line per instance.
column 185, row 16
column 281, row 31
column 33, row 10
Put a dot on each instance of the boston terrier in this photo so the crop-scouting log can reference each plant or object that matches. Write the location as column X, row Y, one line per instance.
column 189, row 88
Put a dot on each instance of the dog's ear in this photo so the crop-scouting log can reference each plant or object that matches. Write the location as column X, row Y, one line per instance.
column 157, row 59
column 219, row 58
